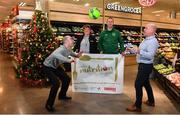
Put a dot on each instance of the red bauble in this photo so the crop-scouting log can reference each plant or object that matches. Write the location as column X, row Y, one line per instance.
column 21, row 72
column 49, row 46
column 35, row 29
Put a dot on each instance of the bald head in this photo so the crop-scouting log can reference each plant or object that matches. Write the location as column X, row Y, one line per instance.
column 150, row 29
column 153, row 26
column 66, row 39
column 68, row 42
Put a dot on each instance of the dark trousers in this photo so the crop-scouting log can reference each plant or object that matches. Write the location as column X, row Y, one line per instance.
column 54, row 76
column 144, row 70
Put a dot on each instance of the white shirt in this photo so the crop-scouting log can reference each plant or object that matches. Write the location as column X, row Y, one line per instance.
column 85, row 44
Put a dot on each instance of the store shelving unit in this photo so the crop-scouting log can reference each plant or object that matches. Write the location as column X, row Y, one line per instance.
column 61, row 29
column 168, row 86
column 168, row 78
column 19, row 35
column 4, row 40
column 130, row 34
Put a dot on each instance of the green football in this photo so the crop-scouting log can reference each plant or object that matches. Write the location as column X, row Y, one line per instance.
column 94, row 13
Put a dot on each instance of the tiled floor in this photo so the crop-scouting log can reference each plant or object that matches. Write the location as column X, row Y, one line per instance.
column 20, row 100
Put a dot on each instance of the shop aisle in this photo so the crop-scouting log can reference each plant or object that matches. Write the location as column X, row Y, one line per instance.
column 16, row 99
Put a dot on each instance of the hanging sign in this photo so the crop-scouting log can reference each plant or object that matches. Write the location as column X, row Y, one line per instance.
column 117, row 7
column 147, row 3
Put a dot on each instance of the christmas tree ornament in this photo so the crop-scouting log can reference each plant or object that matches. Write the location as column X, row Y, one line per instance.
column 35, row 29
column 49, row 46
column 39, row 56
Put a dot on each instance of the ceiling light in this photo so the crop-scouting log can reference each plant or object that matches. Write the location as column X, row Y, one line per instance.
column 157, row 15
column 2, row 6
column 159, row 11
column 115, row 2
column 1, row 90
column 22, row 4
column 86, row 5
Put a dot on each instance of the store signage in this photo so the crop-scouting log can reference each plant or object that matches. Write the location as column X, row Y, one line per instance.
column 147, row 3
column 117, row 7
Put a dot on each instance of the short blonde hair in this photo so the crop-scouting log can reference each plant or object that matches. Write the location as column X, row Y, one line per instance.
column 66, row 38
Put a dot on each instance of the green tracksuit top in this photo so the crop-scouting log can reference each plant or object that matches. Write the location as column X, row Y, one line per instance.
column 109, row 40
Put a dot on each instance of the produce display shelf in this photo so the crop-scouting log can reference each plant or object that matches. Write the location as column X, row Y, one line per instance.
column 173, row 90
column 167, row 86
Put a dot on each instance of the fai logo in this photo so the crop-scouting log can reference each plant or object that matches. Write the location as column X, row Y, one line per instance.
column 147, row 3
column 113, row 34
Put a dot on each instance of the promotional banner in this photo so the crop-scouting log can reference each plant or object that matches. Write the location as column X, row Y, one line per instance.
column 98, row 73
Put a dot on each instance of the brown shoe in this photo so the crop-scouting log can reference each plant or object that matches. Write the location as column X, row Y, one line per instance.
column 149, row 104
column 133, row 108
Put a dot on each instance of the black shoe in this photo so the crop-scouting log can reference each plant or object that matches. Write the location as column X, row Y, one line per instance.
column 65, row 98
column 50, row 108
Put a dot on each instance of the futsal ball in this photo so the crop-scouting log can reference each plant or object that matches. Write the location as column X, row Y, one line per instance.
column 94, row 13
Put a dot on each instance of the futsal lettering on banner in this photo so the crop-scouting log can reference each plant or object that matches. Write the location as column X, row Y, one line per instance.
column 147, row 3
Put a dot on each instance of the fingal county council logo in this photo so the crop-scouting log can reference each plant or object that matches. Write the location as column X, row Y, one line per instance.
column 147, row 3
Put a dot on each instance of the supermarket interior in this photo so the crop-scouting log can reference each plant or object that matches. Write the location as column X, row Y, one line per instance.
column 34, row 32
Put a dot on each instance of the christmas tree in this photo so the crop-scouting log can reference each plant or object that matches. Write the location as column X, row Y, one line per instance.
column 39, row 44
